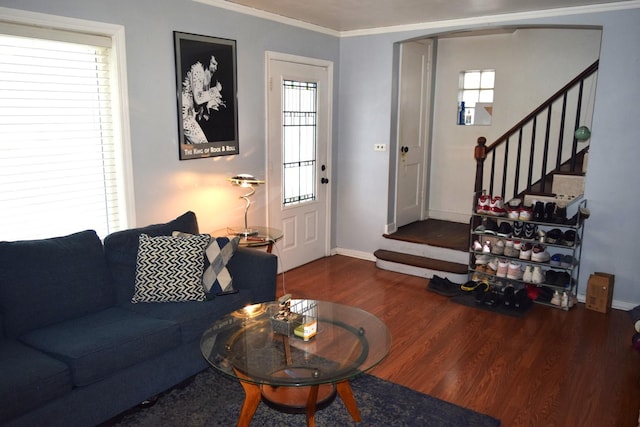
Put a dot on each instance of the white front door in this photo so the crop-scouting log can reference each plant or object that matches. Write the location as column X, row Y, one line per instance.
column 298, row 170
column 413, row 131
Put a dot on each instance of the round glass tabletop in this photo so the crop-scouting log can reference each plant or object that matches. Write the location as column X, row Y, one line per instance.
column 255, row 344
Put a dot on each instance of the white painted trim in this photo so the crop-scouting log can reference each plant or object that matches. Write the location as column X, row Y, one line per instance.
column 354, row 254
column 117, row 35
column 479, row 20
column 246, row 10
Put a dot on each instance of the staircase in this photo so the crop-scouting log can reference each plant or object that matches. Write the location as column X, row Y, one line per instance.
column 530, row 161
column 427, row 248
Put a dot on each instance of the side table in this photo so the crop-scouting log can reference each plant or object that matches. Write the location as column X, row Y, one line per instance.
column 265, row 237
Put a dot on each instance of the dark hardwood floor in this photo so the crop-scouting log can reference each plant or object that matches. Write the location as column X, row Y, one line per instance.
column 550, row 368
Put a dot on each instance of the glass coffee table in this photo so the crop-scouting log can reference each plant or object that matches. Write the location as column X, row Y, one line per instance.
column 275, row 365
column 260, row 236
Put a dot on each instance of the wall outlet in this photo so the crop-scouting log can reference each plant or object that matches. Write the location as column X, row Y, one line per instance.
column 380, row 147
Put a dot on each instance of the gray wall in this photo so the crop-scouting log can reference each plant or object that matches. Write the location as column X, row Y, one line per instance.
column 166, row 187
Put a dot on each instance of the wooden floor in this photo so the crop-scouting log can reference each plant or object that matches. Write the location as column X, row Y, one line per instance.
column 550, row 368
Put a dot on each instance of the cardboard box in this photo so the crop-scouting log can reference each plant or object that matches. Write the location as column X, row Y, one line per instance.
column 600, row 292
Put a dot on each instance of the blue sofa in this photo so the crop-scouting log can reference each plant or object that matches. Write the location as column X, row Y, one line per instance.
column 75, row 351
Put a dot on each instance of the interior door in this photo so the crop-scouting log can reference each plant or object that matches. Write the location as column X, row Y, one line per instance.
column 414, row 113
column 298, row 168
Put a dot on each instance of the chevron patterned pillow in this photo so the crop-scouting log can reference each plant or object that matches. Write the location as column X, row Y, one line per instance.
column 169, row 269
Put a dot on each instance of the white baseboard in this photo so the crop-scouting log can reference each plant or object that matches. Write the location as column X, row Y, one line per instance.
column 354, row 254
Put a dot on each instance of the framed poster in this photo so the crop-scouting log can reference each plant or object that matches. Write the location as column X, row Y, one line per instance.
column 207, row 96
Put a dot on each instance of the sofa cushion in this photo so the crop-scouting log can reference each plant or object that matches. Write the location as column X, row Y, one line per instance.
column 99, row 344
column 30, row 378
column 216, row 277
column 51, row 280
column 121, row 249
column 194, row 317
column 169, row 269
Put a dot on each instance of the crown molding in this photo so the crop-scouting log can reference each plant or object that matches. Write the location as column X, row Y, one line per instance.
column 480, row 20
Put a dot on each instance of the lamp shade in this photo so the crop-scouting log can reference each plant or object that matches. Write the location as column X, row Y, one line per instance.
column 245, row 180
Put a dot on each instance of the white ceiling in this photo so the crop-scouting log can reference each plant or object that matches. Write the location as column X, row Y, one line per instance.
column 352, row 15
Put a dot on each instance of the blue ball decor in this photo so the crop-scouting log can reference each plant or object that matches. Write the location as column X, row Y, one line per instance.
column 582, row 133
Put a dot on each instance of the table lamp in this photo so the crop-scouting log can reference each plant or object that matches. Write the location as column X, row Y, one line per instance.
column 246, row 181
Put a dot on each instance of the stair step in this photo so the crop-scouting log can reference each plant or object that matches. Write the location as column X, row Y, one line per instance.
column 421, row 262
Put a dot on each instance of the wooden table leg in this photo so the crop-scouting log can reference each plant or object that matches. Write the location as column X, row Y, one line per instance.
column 311, row 406
column 252, row 397
column 346, row 394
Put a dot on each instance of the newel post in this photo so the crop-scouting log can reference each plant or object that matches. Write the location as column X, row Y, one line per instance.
column 480, row 153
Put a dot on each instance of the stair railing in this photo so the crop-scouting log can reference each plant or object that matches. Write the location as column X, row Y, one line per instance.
column 512, row 174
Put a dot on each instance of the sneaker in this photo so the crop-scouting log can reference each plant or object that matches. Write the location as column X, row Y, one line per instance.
column 554, row 236
column 486, row 248
column 482, row 259
column 503, row 268
column 538, row 211
column 560, row 215
column 567, row 261
column 569, row 237
column 525, row 251
column 518, row 229
column 498, row 248
column 549, row 211
column 505, row 230
column 517, row 245
column 496, row 206
column 537, row 276
column 528, row 274
column 492, row 265
column 539, row 254
column 491, row 226
column 509, row 250
column 483, row 204
column 526, row 213
column 513, row 212
column 530, row 231
column 542, row 236
column 556, row 260
column 477, row 246
column 514, row 271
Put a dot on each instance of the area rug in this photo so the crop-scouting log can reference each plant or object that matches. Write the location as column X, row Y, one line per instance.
column 213, row 400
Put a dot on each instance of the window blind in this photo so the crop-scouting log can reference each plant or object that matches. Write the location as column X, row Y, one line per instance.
column 58, row 169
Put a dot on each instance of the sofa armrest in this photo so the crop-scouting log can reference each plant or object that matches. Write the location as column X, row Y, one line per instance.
column 256, row 271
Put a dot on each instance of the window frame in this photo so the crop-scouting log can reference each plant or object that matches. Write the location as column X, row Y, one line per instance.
column 120, row 106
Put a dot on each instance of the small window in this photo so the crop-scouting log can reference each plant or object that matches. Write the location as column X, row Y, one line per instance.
column 475, row 99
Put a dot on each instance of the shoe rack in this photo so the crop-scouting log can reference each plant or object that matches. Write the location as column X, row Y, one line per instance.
column 504, row 258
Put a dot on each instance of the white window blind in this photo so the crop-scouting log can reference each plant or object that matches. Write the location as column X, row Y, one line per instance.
column 58, row 168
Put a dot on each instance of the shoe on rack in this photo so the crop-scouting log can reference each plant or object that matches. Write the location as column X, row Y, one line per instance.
column 505, row 230
column 508, row 296
column 542, row 235
column 486, row 248
column 525, row 251
column 539, row 254
column 528, row 274
column 567, row 261
column 509, row 250
column 562, row 278
column 498, row 248
column 483, row 204
column 482, row 259
column 518, row 229
column 538, row 211
column 503, row 268
column 496, row 206
column 513, row 212
column 538, row 276
column 491, row 226
column 530, row 231
column 514, row 271
column 521, row 300
column 526, row 213
column 556, row 260
column 477, row 246
column 582, row 214
column 569, row 237
column 554, row 236
column 560, row 216
column 549, row 211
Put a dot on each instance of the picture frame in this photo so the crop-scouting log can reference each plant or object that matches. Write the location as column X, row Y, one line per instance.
column 206, row 89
